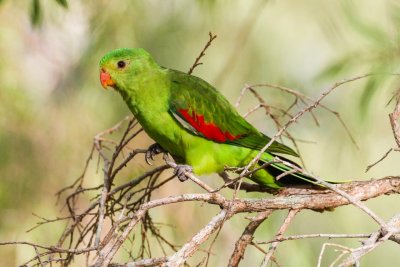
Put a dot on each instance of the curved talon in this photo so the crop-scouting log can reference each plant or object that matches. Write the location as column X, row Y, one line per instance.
column 148, row 156
column 153, row 150
column 181, row 170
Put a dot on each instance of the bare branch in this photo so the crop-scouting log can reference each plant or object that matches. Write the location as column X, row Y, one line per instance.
column 376, row 239
column 298, row 115
column 339, row 191
column 329, row 236
column 190, row 247
column 202, row 53
column 382, row 158
column 127, row 205
column 320, row 201
column 280, row 233
column 247, row 237
column 325, row 245
column 394, row 118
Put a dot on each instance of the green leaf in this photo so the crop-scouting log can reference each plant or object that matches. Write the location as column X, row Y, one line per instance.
column 336, row 68
column 36, row 13
column 366, row 29
column 373, row 84
column 63, row 3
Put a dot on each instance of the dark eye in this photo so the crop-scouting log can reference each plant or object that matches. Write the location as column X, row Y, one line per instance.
column 121, row 64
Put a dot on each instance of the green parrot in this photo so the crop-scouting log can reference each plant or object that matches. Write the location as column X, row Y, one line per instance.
column 191, row 120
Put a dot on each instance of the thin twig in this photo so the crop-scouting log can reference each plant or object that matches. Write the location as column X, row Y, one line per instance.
column 394, row 118
column 340, row 192
column 329, row 236
column 382, row 158
column 190, row 247
column 299, row 114
column 323, row 249
column 376, row 239
column 247, row 237
column 282, row 230
column 202, row 53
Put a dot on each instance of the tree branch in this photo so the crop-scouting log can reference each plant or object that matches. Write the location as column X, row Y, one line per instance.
column 247, row 237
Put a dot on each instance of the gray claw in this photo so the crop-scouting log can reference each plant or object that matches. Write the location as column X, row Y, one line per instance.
column 181, row 171
column 153, row 150
column 148, row 156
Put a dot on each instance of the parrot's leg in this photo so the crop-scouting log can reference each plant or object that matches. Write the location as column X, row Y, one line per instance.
column 181, row 171
column 153, row 150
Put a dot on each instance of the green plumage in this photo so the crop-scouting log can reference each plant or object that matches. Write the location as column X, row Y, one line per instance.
column 189, row 118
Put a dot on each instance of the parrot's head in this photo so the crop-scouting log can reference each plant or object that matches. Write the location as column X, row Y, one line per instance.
column 119, row 66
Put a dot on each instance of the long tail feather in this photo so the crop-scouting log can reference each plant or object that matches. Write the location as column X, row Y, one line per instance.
column 287, row 176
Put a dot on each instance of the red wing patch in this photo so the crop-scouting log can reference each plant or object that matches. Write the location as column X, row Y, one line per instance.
column 208, row 129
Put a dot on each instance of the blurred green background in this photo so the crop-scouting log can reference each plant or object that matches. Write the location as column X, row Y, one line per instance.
column 52, row 104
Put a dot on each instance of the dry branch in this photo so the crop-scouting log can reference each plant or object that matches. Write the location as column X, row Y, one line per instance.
column 394, row 118
column 202, row 53
column 281, row 231
column 317, row 201
column 247, row 237
column 374, row 241
column 126, row 205
column 294, row 119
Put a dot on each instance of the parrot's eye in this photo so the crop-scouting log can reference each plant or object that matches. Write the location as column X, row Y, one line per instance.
column 121, row 64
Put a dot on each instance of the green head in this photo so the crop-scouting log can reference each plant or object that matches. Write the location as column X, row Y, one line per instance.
column 119, row 66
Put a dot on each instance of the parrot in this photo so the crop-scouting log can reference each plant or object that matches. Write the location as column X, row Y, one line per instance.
column 192, row 121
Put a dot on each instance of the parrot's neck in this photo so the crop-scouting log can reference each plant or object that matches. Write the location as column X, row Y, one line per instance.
column 147, row 92
column 148, row 98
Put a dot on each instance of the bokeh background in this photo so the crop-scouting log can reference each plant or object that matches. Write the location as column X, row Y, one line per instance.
column 52, row 104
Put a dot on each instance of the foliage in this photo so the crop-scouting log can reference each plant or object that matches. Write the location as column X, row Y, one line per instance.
column 379, row 54
column 37, row 13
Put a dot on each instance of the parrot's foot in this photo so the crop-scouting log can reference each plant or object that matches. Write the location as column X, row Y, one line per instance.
column 181, row 171
column 153, row 150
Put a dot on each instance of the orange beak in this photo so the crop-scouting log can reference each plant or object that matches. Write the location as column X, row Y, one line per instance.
column 105, row 79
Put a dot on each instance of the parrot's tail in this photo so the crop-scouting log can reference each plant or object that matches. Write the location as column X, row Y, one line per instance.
column 287, row 177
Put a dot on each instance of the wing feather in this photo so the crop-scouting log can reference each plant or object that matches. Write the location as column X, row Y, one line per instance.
column 203, row 111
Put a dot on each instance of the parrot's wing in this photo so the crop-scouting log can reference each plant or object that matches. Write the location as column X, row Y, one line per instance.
column 203, row 111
